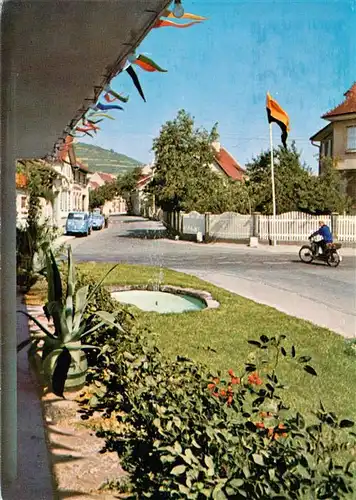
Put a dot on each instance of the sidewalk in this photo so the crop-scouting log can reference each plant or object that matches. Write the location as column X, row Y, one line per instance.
column 34, row 479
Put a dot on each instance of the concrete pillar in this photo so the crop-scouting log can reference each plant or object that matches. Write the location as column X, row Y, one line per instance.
column 207, row 225
column 334, row 225
column 255, row 229
column 8, row 356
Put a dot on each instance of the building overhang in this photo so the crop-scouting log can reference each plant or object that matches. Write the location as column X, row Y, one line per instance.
column 340, row 118
column 57, row 57
column 322, row 134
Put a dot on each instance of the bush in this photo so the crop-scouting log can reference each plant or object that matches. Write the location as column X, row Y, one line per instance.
column 191, row 434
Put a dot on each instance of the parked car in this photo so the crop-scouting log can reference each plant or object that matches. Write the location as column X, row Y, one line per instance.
column 79, row 223
column 98, row 220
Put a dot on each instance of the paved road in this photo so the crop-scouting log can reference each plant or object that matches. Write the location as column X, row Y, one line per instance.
column 271, row 276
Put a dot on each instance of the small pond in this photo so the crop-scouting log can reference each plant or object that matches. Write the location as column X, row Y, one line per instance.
column 161, row 302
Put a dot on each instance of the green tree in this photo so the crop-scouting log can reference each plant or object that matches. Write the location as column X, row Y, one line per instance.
column 292, row 181
column 182, row 157
column 327, row 191
column 126, row 185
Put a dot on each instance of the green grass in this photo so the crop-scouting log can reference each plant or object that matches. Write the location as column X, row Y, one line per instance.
column 227, row 330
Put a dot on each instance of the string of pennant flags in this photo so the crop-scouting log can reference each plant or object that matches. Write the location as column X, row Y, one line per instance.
column 96, row 113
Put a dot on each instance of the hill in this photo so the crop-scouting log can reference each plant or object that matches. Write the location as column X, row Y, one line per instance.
column 104, row 160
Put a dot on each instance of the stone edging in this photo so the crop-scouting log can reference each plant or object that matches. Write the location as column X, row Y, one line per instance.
column 177, row 290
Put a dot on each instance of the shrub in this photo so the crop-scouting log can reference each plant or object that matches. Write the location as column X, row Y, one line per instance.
column 191, row 434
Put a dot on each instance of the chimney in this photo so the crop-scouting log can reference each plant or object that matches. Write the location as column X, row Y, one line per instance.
column 216, row 146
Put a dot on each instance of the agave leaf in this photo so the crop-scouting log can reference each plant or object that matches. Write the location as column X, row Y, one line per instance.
column 70, row 290
column 82, row 346
column 24, row 344
column 100, row 283
column 91, row 330
column 47, row 332
column 109, row 319
column 50, row 361
column 65, row 334
column 60, row 372
column 50, row 279
column 80, row 304
column 57, row 282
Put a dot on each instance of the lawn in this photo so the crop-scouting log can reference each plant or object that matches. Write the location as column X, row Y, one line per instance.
column 218, row 338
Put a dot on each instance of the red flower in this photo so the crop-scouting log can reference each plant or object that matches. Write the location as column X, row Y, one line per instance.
column 211, row 387
column 231, row 373
column 223, row 393
column 229, row 399
column 235, row 380
column 254, row 379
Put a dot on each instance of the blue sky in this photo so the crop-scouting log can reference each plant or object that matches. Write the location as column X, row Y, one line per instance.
column 302, row 52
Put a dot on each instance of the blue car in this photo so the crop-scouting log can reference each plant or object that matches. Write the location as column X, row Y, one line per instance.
column 98, row 220
column 78, row 223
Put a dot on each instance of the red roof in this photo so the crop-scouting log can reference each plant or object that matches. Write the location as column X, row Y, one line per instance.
column 93, row 185
column 144, row 180
column 107, row 177
column 347, row 106
column 229, row 165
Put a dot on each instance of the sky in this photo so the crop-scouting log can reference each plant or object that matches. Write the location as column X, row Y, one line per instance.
column 302, row 52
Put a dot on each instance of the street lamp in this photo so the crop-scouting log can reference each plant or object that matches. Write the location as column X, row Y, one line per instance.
column 178, row 10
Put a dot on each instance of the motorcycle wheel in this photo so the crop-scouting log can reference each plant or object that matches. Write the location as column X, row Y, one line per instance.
column 333, row 259
column 306, row 254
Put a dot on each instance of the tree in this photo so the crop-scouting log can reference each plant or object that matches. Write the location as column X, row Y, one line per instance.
column 292, row 180
column 182, row 157
column 183, row 178
column 327, row 191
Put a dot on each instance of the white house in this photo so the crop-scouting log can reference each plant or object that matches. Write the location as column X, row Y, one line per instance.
column 115, row 206
column 139, row 197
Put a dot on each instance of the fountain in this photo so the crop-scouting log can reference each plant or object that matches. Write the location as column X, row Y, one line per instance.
column 164, row 299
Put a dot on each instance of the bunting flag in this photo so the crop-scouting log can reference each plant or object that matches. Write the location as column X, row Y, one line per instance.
column 109, row 98
column 161, row 23
column 136, row 81
column 148, row 65
column 186, row 15
column 96, row 115
column 106, row 107
column 276, row 114
column 111, row 95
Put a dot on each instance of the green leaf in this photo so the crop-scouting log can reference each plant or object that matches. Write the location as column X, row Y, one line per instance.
column 304, row 359
column 209, row 462
column 60, row 373
column 24, row 344
column 258, row 459
column 236, row 483
column 346, row 423
column 218, row 494
column 254, row 342
column 80, row 303
column 109, row 319
column 309, row 369
column 178, row 470
column 177, row 447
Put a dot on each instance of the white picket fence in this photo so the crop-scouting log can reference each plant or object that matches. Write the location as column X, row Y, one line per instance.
column 230, row 226
column 346, row 228
column 293, row 226
column 193, row 223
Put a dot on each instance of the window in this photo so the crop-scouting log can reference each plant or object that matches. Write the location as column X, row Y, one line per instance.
column 23, row 201
column 351, row 139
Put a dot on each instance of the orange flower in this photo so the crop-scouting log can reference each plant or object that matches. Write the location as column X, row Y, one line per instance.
column 231, row 373
column 223, row 393
column 260, row 425
column 235, row 380
column 254, row 379
column 230, row 399
column 216, row 380
column 265, row 414
column 211, row 387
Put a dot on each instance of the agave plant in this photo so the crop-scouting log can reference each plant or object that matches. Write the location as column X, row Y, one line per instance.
column 62, row 349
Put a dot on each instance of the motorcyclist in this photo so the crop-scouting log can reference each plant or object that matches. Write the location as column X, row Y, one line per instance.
column 325, row 232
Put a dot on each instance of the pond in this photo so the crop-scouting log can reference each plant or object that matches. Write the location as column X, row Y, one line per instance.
column 160, row 302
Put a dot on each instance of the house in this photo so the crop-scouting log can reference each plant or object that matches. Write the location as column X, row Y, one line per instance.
column 225, row 164
column 139, row 198
column 115, row 206
column 337, row 139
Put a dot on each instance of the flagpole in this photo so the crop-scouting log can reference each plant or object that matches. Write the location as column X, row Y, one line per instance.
column 273, row 187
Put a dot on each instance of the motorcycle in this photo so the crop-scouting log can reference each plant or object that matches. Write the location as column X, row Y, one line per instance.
column 311, row 252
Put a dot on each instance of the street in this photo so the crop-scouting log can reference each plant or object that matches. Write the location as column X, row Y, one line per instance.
column 272, row 276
